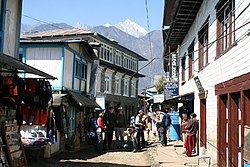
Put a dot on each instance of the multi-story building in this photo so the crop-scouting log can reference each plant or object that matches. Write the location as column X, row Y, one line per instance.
column 211, row 38
column 115, row 73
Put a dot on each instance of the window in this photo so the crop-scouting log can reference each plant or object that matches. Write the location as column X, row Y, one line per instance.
column 191, row 60
column 126, row 87
column 117, row 85
column 130, row 63
column 84, row 71
column 2, row 15
column 183, row 67
column 80, row 70
column 225, row 26
column 106, row 53
column 107, row 84
column 203, row 46
column 118, row 58
column 133, row 88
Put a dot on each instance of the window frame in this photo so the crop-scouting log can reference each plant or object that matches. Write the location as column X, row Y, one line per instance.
column 183, row 68
column 126, row 87
column 106, row 53
column 203, row 45
column 81, row 70
column 117, row 85
column 191, row 60
column 2, row 23
column 133, row 88
column 225, row 27
column 107, row 83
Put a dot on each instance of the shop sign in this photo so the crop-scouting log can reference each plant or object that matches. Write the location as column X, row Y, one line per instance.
column 199, row 86
column 170, row 89
column 158, row 98
column 101, row 102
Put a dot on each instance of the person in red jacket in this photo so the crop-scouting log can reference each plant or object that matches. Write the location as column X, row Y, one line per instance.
column 100, row 130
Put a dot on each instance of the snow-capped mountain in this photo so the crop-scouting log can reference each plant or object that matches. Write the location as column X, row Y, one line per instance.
column 131, row 28
column 82, row 26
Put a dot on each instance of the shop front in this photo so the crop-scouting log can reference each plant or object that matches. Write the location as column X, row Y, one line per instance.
column 72, row 114
column 24, row 110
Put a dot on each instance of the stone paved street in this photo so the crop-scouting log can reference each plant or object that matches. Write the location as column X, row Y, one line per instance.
column 154, row 155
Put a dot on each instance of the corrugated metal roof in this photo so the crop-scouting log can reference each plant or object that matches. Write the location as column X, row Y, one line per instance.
column 75, row 34
column 57, row 33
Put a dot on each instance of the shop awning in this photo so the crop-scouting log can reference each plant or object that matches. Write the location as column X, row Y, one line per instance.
column 12, row 64
column 180, row 98
column 82, row 100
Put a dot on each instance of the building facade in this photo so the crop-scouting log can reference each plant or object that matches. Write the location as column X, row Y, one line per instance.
column 70, row 61
column 117, row 76
column 211, row 38
column 115, row 73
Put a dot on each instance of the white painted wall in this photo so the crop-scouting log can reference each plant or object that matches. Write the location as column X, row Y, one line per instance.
column 12, row 26
column 47, row 60
column 232, row 64
column 68, row 69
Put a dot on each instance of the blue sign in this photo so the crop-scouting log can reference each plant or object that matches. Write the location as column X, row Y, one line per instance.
column 170, row 89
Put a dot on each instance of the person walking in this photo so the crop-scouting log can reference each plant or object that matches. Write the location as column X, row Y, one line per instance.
column 120, row 127
column 160, row 122
column 139, row 130
column 109, row 121
column 191, row 129
column 100, row 130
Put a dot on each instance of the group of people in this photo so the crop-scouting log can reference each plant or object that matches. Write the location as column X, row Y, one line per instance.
column 108, row 122
column 101, row 129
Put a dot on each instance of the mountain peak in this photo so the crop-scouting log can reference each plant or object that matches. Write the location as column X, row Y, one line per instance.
column 131, row 28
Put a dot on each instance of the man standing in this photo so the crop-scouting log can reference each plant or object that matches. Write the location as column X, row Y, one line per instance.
column 109, row 120
column 160, row 122
column 120, row 126
column 139, row 128
column 192, row 127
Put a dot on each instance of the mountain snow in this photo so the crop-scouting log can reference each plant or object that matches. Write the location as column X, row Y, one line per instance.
column 131, row 28
column 107, row 25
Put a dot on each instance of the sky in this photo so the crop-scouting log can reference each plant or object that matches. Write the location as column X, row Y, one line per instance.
column 94, row 12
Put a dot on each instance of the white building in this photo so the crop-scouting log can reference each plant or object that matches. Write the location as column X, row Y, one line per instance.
column 115, row 73
column 211, row 38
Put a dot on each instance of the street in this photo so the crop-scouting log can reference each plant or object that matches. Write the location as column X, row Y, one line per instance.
column 87, row 157
column 153, row 155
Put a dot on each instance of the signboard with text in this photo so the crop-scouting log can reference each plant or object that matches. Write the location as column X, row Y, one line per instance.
column 170, row 89
column 101, row 102
column 158, row 98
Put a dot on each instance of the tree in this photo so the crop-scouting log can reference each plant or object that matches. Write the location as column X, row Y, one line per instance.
column 160, row 85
